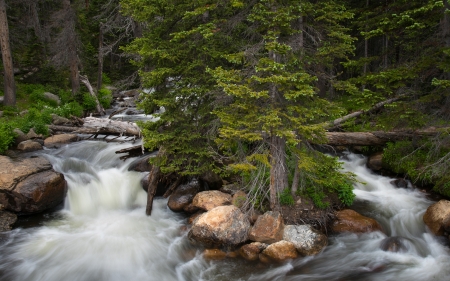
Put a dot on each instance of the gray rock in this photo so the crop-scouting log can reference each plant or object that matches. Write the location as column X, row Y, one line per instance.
column 307, row 240
column 58, row 120
column 141, row 164
column 20, row 136
column 58, row 140
column 183, row 196
column 393, row 244
column 32, row 134
column 375, row 161
column 52, row 97
column 7, row 219
column 29, row 145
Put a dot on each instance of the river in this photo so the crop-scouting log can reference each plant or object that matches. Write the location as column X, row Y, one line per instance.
column 103, row 234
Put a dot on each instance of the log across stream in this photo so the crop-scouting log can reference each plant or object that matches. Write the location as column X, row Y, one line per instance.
column 102, row 233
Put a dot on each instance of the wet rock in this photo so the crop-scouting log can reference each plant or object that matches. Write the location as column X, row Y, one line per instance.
column 52, row 97
column 212, row 180
column 251, row 251
column 30, row 185
column 350, row 221
column 230, row 188
column 29, row 145
column 141, row 164
column 400, row 183
column 190, row 208
column 268, row 228
column 307, row 240
column 279, row 252
column 223, row 226
column 207, row 200
column 214, row 254
column 58, row 120
column 59, row 140
column 393, row 244
column 133, row 112
column 7, row 219
column 20, row 136
column 375, row 161
column 183, row 196
column 192, row 218
column 436, row 215
column 239, row 199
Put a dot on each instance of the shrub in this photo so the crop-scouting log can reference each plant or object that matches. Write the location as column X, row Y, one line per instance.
column 6, row 136
column 286, row 198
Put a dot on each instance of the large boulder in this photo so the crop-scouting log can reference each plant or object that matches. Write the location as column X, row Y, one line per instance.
column 268, row 228
column 59, row 140
column 223, row 226
column 29, row 145
column 7, row 219
column 375, row 161
column 279, row 252
column 307, row 240
column 211, row 180
column 183, row 196
column 208, row 200
column 437, row 217
column 350, row 221
column 20, row 136
column 251, row 251
column 141, row 164
column 30, row 185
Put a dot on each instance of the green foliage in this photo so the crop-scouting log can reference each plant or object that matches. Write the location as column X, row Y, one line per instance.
column 6, row 137
column 105, row 97
column 285, row 197
column 89, row 103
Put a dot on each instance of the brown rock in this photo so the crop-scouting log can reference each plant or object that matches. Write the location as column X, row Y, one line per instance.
column 239, row 199
column 58, row 140
column 350, row 221
column 280, row 251
column 268, row 228
column 214, row 254
column 20, row 136
column 7, row 219
column 190, row 208
column 194, row 216
column 436, row 216
column 212, row 180
column 223, row 226
column 230, row 188
column 32, row 134
column 375, row 161
column 29, row 145
column 141, row 164
column 30, row 185
column 251, row 251
column 307, row 240
column 208, row 200
column 183, row 196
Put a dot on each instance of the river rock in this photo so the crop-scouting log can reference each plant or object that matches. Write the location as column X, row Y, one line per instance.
column 214, row 254
column 279, row 252
column 268, row 228
column 59, row 140
column 239, row 199
column 223, row 226
column 375, row 161
column 208, row 200
column 436, row 215
column 183, row 195
column 307, row 240
column 141, row 164
column 58, row 120
column 52, row 97
column 32, row 134
column 393, row 244
column 7, row 219
column 400, row 183
column 212, row 180
column 350, row 221
column 30, row 185
column 20, row 136
column 251, row 251
column 29, row 145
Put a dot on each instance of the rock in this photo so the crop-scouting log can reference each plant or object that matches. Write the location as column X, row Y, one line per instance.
column 280, row 251
column 307, row 240
column 131, row 93
column 239, row 199
column 32, row 134
column 251, row 251
column 141, row 164
column 29, row 145
column 223, row 226
column 393, row 244
column 230, row 188
column 211, row 180
column 7, row 219
column 58, row 120
column 30, row 185
column 214, row 254
column 52, row 97
column 20, row 136
column 375, row 161
column 401, row 183
column 190, row 208
column 183, row 195
column 436, row 215
column 59, row 140
column 351, row 221
column 23, row 113
column 192, row 218
column 207, row 200
column 268, row 228
column 133, row 112
column 160, row 189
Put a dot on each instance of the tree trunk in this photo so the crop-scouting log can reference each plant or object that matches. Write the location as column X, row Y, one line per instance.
column 100, row 58
column 10, row 86
column 74, row 74
column 88, row 85
column 152, row 186
column 446, row 29
column 278, row 169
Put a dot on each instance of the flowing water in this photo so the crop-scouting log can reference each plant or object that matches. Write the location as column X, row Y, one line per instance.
column 102, row 233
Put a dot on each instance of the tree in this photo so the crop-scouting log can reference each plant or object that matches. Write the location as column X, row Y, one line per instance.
column 10, row 86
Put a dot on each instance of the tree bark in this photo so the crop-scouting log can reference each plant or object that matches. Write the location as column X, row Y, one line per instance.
column 85, row 81
column 152, row 186
column 278, row 169
column 446, row 29
column 10, row 86
column 100, row 58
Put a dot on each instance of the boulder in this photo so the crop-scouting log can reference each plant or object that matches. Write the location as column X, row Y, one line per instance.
column 183, row 195
column 268, row 228
column 211, row 180
column 401, row 183
column 307, row 240
column 192, row 218
column 393, row 244
column 251, row 251
column 436, row 215
column 52, row 97
column 29, row 145
column 208, row 200
column 20, row 136
column 230, row 188
column 223, row 226
column 7, row 219
column 279, row 252
column 214, row 254
column 59, row 140
column 375, row 161
column 58, row 120
column 30, row 185
column 239, row 199
column 32, row 134
column 141, row 164
column 350, row 221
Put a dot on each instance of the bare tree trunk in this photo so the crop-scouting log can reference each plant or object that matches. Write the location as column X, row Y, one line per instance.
column 152, row 186
column 100, row 58
column 10, row 86
column 88, row 85
column 446, row 28
column 278, row 169
column 74, row 75
column 366, row 46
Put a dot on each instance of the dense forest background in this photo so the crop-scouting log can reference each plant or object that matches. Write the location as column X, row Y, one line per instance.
column 251, row 87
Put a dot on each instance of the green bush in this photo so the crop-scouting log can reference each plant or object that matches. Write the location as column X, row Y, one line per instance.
column 89, row 103
column 105, row 97
column 6, row 137
column 286, row 198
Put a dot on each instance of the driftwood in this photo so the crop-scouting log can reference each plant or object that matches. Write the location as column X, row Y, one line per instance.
column 153, row 179
column 85, row 81
column 133, row 151
column 117, row 112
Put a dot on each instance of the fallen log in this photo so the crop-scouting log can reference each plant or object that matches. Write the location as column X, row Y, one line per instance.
column 106, row 126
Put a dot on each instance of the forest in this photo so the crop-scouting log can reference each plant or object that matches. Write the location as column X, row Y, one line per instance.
column 249, row 89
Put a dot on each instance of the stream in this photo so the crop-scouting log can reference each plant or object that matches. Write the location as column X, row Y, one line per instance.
column 102, row 233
